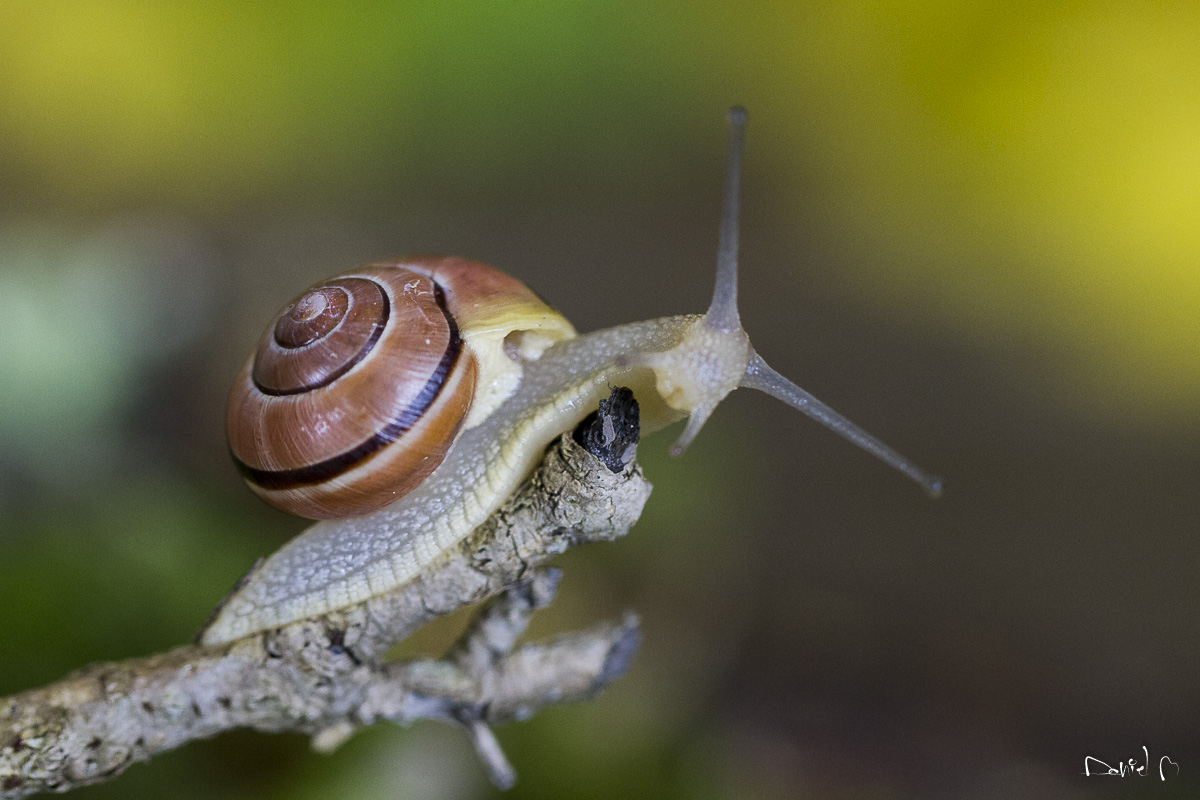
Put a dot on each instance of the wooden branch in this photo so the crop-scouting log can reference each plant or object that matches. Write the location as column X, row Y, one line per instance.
column 325, row 676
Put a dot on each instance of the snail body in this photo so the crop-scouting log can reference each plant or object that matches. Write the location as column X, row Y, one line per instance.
column 339, row 562
column 534, row 379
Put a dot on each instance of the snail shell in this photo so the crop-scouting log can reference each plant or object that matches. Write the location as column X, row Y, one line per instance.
column 359, row 386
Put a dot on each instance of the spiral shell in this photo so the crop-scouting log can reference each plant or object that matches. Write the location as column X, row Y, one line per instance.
column 360, row 385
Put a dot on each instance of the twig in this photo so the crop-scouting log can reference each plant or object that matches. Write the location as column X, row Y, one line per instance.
column 325, row 676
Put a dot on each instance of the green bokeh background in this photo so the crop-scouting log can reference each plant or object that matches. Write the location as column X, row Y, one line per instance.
column 972, row 227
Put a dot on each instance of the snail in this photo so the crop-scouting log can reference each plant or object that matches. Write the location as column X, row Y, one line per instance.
column 403, row 403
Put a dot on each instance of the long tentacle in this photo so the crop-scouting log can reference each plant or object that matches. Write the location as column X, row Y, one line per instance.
column 760, row 376
column 723, row 312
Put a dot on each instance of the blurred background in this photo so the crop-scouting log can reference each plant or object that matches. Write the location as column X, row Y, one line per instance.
column 970, row 227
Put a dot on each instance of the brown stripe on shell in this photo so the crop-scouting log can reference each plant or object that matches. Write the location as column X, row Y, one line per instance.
column 341, row 437
column 299, row 355
column 395, row 428
column 394, row 470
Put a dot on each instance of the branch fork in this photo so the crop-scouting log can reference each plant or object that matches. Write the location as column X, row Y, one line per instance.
column 326, row 676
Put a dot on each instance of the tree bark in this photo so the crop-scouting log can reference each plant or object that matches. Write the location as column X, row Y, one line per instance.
column 326, row 675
